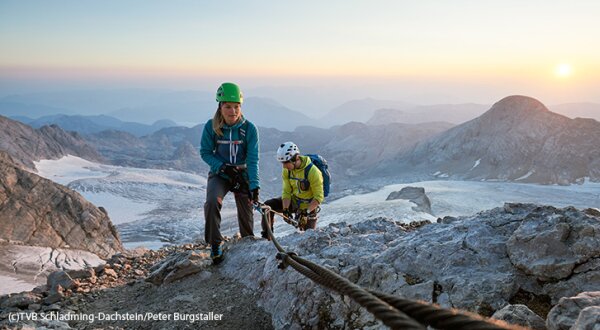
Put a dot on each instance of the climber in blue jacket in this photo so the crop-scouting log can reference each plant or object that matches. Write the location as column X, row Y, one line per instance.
column 230, row 147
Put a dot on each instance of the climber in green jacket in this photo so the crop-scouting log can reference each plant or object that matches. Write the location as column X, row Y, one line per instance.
column 301, row 194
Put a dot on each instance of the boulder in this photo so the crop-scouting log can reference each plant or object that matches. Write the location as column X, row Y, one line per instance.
column 60, row 278
column 29, row 266
column 413, row 194
column 549, row 243
column 568, row 311
column 177, row 266
column 20, row 300
column 520, row 315
column 589, row 318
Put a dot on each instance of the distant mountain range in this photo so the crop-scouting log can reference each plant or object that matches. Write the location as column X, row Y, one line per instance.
column 360, row 111
column 452, row 113
column 189, row 108
column 350, row 148
column 262, row 111
column 169, row 148
column 518, row 139
column 95, row 124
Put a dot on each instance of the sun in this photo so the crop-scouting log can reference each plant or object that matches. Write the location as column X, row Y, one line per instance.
column 563, row 70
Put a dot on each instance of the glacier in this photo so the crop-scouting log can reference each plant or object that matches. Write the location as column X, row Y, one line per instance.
column 153, row 208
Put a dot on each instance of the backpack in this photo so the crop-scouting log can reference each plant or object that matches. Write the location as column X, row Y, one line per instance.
column 321, row 164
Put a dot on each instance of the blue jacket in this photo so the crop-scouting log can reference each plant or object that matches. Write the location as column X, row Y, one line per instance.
column 232, row 148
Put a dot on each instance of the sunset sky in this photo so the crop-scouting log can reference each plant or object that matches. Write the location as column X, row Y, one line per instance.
column 468, row 51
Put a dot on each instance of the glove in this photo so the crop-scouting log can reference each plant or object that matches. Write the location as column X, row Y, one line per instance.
column 231, row 171
column 302, row 218
column 288, row 214
column 254, row 195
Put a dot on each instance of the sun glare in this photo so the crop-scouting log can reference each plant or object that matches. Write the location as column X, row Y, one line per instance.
column 563, row 70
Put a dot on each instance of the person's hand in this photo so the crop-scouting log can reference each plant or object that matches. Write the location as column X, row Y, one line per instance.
column 231, row 171
column 254, row 195
column 287, row 213
column 302, row 218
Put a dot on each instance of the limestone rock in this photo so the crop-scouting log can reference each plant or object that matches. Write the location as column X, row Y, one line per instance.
column 461, row 264
column 21, row 300
column 414, row 194
column 30, row 265
column 36, row 211
column 567, row 312
column 589, row 318
column 520, row 315
column 61, row 278
column 550, row 242
column 82, row 273
column 178, row 266
column 55, row 295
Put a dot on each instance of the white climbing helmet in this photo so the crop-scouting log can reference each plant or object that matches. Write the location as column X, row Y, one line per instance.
column 286, row 151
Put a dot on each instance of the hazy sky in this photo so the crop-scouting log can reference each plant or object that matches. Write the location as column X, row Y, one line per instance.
column 425, row 51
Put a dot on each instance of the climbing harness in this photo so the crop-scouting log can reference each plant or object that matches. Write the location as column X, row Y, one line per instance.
column 303, row 217
column 393, row 311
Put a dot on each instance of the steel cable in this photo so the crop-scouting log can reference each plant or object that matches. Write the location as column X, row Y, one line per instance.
column 393, row 311
column 390, row 316
column 440, row 318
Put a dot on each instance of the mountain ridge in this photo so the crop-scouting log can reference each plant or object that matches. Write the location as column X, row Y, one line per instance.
column 518, row 139
column 26, row 144
column 96, row 123
column 38, row 212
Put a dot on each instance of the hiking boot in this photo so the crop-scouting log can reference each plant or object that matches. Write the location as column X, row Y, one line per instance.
column 216, row 253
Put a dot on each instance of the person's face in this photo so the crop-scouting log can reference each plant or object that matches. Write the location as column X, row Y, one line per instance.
column 289, row 165
column 231, row 112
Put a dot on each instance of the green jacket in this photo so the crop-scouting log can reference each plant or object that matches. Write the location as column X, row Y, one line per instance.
column 291, row 184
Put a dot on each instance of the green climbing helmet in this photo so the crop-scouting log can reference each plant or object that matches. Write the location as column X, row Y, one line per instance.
column 229, row 92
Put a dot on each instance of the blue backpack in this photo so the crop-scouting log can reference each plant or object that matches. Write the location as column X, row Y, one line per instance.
column 321, row 164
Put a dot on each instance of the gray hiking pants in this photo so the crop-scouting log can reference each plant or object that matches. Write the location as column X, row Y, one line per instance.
column 216, row 189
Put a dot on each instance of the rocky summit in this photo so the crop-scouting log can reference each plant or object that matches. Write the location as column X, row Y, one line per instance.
column 36, row 211
column 531, row 265
column 517, row 139
column 479, row 263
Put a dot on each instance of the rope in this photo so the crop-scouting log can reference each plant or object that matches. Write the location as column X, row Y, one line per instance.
column 395, row 312
column 438, row 317
column 390, row 316
column 286, row 219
